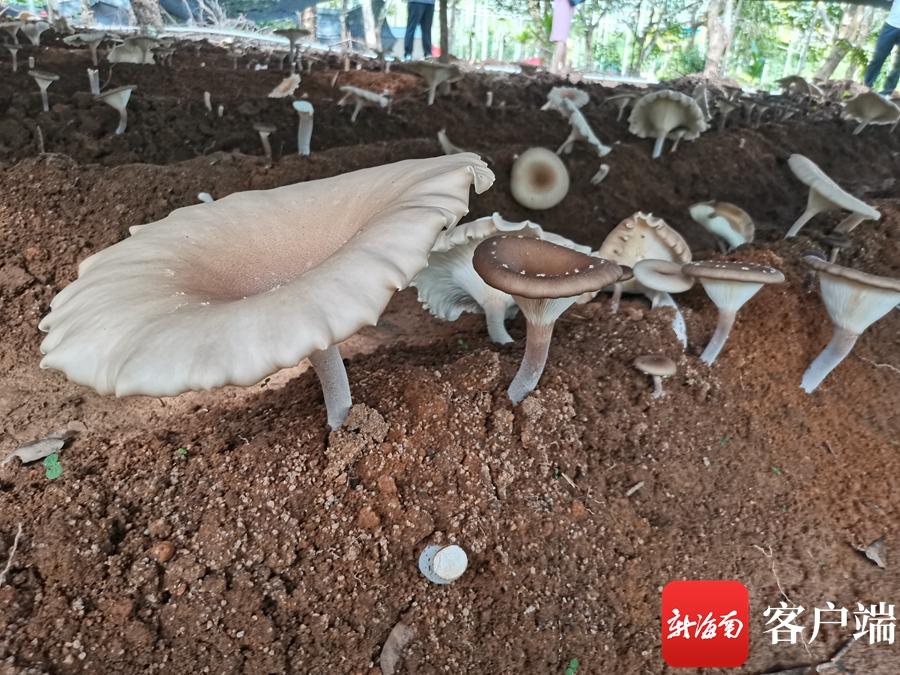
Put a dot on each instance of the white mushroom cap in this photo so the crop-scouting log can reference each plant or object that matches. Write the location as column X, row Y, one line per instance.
column 117, row 98
column 230, row 292
column 725, row 220
column 663, row 276
column 642, row 236
column 43, row 77
column 871, row 108
column 659, row 113
column 824, row 194
column 578, row 98
column 539, row 179
column 286, row 87
column 655, row 364
column 303, row 107
column 450, row 562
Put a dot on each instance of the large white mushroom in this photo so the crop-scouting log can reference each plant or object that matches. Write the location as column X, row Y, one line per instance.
column 661, row 114
column 232, row 291
column 871, row 108
column 450, row 286
column 824, row 195
column 854, row 300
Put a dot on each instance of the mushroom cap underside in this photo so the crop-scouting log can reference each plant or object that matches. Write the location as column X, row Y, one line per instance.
column 811, row 174
column 655, row 364
column 663, row 111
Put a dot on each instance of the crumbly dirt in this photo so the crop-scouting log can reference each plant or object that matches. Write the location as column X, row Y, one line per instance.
column 229, row 532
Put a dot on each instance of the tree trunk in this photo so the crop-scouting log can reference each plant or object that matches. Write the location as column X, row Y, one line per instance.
column 719, row 17
column 445, row 31
column 308, row 20
column 147, row 13
column 369, row 23
column 850, row 28
column 807, row 38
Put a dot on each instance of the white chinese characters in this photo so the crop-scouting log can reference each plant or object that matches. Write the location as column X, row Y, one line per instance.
column 875, row 621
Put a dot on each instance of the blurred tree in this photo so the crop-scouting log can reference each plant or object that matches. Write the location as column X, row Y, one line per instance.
column 147, row 13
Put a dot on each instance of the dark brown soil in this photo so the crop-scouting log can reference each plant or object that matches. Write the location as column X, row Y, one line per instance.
column 270, row 546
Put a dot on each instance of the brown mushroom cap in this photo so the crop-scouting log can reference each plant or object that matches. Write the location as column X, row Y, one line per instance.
column 728, row 270
column 655, row 364
column 536, row 269
column 265, row 127
column 822, row 265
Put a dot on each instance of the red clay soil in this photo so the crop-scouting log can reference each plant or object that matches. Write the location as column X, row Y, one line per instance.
column 229, row 532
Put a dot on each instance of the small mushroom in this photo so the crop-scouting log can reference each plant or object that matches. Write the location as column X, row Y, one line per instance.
column 871, row 108
column 305, row 112
column 601, row 174
column 33, row 31
column 286, row 87
column 658, row 114
column 725, row 109
column 293, row 36
column 449, row 285
column 13, row 50
column 824, row 194
column 362, row 98
column 91, row 39
column 539, row 180
column 233, row 291
column 729, row 284
column 854, row 301
column 207, row 101
column 44, row 80
column 658, row 367
column 837, row 242
column 795, row 85
column 12, row 29
column 621, row 101
column 264, row 129
column 545, row 280
column 726, row 221
column 434, row 74
column 580, row 131
column 118, row 99
column 446, row 145
column 577, row 97
column 443, row 564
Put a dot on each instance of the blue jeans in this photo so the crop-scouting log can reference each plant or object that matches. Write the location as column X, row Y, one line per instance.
column 420, row 14
column 887, row 40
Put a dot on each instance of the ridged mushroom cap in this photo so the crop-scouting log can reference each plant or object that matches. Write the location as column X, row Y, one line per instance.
column 664, row 111
column 536, row 269
column 232, row 291
column 809, row 173
column 872, row 108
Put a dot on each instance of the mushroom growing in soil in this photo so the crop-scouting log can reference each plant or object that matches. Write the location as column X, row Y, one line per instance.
column 621, row 101
column 305, row 112
column 577, row 97
column 91, row 39
column 362, row 98
column 824, row 195
column 854, row 301
column 12, row 29
column 33, row 30
column 293, row 35
column 729, row 285
column 581, row 131
column 434, row 74
column 233, row 291
column 871, row 108
column 264, row 129
column 44, row 80
column 726, row 221
column 14, row 53
column 658, row 367
column 545, row 280
column 286, row 87
column 118, row 98
column 659, row 114
column 794, row 85
column 539, row 180
column 450, row 286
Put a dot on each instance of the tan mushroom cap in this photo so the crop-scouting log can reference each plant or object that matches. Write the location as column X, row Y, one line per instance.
column 663, row 276
column 729, row 270
column 809, row 173
column 265, row 127
column 536, row 269
column 740, row 221
column 872, row 108
column 875, row 281
column 656, row 364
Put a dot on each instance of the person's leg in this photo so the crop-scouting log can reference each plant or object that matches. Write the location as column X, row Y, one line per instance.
column 886, row 41
column 890, row 83
column 413, row 17
column 426, row 21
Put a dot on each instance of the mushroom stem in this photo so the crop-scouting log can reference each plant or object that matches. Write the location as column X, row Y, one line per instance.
column 495, row 317
column 15, row 60
column 92, row 46
column 658, row 391
column 44, row 99
column 537, row 345
column 859, row 127
column 329, row 367
column 123, row 121
column 616, row 298
column 841, row 344
column 304, row 134
column 267, row 147
column 94, row 81
column 717, row 341
column 658, row 146
column 356, row 110
column 432, row 90
column 807, row 215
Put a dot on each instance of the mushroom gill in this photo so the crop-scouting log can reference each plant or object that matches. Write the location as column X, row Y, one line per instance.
column 232, row 291
column 660, row 113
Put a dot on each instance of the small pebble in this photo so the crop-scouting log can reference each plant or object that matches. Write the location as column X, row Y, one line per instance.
column 163, row 551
